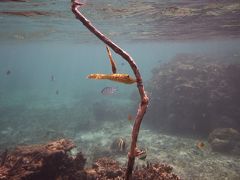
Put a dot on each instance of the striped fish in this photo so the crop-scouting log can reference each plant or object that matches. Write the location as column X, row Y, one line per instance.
column 108, row 90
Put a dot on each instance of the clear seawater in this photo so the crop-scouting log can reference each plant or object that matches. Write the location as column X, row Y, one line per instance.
column 34, row 47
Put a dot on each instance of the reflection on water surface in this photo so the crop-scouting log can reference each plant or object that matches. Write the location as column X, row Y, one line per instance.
column 139, row 20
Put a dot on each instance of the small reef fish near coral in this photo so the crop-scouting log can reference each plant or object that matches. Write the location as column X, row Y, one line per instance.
column 108, row 90
column 141, row 154
column 130, row 118
column 200, row 145
column 52, row 78
column 8, row 72
column 121, row 144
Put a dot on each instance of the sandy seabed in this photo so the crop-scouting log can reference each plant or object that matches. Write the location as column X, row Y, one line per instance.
column 181, row 153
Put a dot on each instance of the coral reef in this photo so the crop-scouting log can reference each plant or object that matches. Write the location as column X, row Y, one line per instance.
column 106, row 168
column 156, row 172
column 51, row 161
column 225, row 140
column 180, row 152
column 195, row 94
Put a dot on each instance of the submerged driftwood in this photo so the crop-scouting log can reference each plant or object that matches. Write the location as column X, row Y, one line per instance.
column 76, row 4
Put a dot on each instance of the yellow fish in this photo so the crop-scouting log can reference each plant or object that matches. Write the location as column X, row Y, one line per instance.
column 122, row 78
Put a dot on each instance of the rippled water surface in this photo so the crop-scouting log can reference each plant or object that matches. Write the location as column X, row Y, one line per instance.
column 120, row 19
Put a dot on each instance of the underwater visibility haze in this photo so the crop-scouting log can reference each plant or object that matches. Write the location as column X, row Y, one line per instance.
column 188, row 53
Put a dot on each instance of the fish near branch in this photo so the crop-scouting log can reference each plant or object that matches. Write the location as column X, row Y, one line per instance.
column 122, row 78
column 144, row 98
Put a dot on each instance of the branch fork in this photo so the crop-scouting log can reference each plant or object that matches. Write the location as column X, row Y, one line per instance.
column 143, row 95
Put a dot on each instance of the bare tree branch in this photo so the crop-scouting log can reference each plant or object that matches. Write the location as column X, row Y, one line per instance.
column 144, row 98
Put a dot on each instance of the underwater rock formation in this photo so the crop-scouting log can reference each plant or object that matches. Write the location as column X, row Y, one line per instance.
column 53, row 161
column 225, row 140
column 195, row 94
column 37, row 162
column 106, row 168
column 155, row 171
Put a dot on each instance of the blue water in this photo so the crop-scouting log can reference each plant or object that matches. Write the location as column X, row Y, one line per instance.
column 32, row 65
column 34, row 47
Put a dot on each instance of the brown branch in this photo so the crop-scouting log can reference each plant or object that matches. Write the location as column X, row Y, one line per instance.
column 144, row 98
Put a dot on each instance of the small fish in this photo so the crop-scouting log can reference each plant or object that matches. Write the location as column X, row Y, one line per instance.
column 108, row 90
column 121, row 144
column 143, row 156
column 52, row 78
column 140, row 154
column 130, row 118
column 8, row 72
column 57, row 92
column 122, row 63
column 200, row 145
column 122, row 78
column 114, row 69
